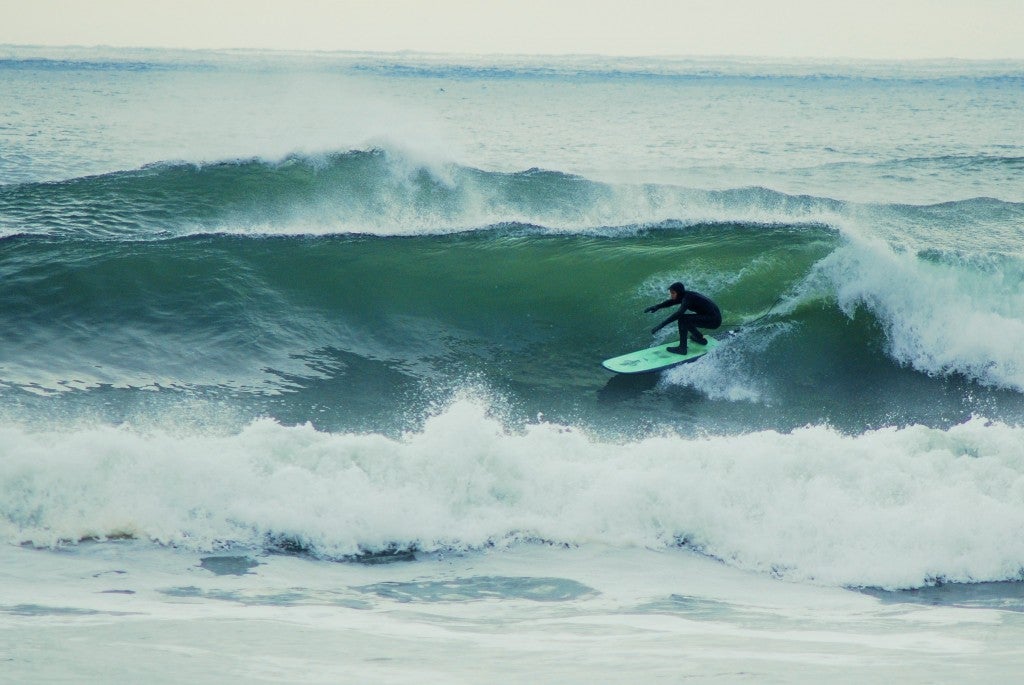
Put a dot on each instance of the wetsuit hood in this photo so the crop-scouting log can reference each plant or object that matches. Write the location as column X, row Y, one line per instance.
column 678, row 288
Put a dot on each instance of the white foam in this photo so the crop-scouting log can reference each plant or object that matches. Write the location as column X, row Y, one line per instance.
column 723, row 374
column 892, row 508
column 939, row 317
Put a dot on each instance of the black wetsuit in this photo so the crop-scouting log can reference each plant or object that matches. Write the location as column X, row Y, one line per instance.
column 705, row 315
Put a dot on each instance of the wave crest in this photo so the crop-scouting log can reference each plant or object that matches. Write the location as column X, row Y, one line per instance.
column 366, row 192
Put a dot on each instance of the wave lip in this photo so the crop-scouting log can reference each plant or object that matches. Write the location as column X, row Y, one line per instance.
column 941, row 313
column 892, row 508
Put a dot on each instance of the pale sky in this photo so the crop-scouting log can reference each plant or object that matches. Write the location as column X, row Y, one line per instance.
column 869, row 29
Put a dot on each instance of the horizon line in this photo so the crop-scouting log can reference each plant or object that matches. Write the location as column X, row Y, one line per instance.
column 537, row 55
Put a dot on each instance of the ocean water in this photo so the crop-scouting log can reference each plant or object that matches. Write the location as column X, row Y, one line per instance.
column 300, row 369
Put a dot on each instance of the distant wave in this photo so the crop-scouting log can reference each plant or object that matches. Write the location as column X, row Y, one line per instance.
column 51, row 64
column 961, row 162
column 381, row 192
column 610, row 69
column 498, row 67
column 372, row 192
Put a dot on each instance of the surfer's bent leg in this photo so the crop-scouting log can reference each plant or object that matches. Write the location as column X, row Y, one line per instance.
column 688, row 324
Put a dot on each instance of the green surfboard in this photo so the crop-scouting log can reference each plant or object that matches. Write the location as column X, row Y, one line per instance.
column 658, row 358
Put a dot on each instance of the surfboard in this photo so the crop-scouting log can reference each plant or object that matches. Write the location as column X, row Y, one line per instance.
column 658, row 358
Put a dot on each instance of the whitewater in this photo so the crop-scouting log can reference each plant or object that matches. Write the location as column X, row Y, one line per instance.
column 300, row 369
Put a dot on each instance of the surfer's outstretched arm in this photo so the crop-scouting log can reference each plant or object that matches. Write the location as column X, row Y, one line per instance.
column 660, row 305
column 664, row 323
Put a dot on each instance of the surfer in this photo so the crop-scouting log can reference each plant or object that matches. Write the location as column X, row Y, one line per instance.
column 705, row 315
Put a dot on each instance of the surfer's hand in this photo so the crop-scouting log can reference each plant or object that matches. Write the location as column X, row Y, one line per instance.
column 651, row 309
